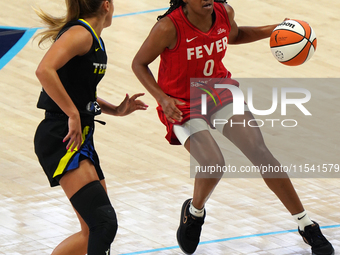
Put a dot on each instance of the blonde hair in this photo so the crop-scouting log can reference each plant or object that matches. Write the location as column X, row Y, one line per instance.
column 76, row 9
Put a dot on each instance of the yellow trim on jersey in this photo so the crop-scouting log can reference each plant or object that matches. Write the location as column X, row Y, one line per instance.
column 94, row 33
column 66, row 158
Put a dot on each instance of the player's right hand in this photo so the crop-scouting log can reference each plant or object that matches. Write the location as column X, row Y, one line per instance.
column 170, row 109
column 74, row 134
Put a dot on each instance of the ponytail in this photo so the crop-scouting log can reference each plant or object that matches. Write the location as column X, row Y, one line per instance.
column 76, row 9
column 54, row 25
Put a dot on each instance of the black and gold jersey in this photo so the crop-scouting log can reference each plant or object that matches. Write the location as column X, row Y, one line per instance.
column 80, row 75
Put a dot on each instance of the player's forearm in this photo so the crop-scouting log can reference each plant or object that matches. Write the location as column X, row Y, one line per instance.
column 51, row 83
column 107, row 107
column 252, row 34
column 146, row 77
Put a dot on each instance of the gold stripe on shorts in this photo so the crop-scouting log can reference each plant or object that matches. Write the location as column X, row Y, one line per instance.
column 66, row 158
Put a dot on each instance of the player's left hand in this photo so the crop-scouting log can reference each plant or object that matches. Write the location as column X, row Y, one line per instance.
column 130, row 104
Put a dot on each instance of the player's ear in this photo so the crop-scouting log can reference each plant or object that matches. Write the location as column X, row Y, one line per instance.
column 106, row 5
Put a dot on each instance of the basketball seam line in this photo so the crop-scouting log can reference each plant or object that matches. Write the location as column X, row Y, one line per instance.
column 295, row 33
column 299, row 53
column 303, row 37
column 290, row 43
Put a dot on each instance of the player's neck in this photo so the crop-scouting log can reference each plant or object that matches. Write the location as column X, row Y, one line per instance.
column 203, row 23
column 96, row 24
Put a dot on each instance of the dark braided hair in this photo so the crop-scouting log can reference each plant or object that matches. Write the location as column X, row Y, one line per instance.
column 174, row 4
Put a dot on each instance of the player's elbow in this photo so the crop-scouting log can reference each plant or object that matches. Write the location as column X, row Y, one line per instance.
column 237, row 37
column 44, row 73
column 40, row 72
column 136, row 64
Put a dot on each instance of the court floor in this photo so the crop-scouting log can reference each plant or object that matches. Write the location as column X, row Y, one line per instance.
column 147, row 179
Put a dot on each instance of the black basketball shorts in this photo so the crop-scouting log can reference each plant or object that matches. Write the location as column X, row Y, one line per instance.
column 53, row 156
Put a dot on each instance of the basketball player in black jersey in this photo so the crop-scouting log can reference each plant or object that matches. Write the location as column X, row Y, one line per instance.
column 69, row 74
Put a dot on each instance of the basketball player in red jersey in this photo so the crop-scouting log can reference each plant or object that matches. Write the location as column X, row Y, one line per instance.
column 192, row 38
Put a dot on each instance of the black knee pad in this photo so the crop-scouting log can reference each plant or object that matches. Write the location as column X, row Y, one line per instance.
column 93, row 205
column 106, row 223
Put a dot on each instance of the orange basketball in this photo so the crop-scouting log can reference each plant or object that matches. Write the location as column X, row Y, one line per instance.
column 293, row 42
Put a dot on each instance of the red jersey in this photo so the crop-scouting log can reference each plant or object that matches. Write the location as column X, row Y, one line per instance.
column 196, row 55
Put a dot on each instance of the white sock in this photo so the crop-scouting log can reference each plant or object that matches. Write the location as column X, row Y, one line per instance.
column 302, row 219
column 196, row 212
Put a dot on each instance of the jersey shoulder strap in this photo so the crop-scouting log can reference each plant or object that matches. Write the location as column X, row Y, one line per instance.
column 84, row 24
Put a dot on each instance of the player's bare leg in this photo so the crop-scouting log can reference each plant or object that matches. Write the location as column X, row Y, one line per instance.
column 77, row 243
column 250, row 141
column 205, row 150
column 72, row 182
